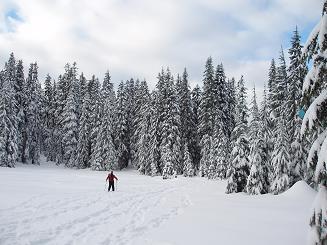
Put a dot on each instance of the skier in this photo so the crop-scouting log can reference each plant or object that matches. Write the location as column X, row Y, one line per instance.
column 111, row 177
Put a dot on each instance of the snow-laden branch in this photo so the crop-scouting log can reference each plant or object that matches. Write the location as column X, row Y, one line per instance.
column 310, row 116
column 322, row 159
column 316, row 146
column 313, row 35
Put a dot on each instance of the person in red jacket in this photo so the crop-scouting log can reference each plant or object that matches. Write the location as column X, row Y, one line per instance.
column 111, row 177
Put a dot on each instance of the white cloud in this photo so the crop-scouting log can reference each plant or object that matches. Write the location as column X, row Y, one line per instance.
column 136, row 38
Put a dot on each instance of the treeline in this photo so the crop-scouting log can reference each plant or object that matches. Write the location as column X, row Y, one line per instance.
column 170, row 131
column 173, row 130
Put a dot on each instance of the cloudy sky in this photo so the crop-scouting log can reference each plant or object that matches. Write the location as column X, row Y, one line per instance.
column 135, row 38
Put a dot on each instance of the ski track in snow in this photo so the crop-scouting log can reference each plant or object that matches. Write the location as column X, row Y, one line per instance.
column 91, row 218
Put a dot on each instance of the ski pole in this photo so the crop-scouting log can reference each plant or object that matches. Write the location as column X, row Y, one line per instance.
column 105, row 186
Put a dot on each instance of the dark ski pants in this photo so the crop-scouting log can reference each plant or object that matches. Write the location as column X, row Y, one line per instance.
column 111, row 184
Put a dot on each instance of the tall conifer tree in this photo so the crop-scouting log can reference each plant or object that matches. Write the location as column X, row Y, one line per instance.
column 239, row 165
column 296, row 73
column 315, row 122
column 104, row 156
column 207, row 100
column 170, row 145
column 33, row 114
column 195, row 102
column 8, row 119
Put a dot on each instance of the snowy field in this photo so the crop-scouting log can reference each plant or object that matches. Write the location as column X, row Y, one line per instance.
column 52, row 205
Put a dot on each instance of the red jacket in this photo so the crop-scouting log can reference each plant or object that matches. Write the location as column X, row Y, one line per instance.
column 111, row 177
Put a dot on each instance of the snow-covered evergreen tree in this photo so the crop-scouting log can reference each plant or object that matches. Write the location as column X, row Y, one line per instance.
column 279, row 89
column 187, row 127
column 76, row 86
column 280, row 154
column 239, row 165
column 8, row 119
column 256, row 181
column 271, row 85
column 299, row 153
column 280, row 159
column 95, row 102
column 54, row 151
column 155, row 136
column 240, row 161
column 213, row 154
column 33, row 114
column 169, row 169
column 169, row 125
column 143, row 130
column 219, row 154
column 143, row 154
column 10, row 76
column 60, row 101
column 127, row 122
column 131, row 122
column 195, row 102
column 296, row 73
column 231, row 105
column 188, row 170
column 315, row 122
column 121, row 127
column 205, row 153
column 241, row 110
column 211, row 171
column 70, row 131
column 214, row 108
column 267, row 141
column 220, row 100
column 231, row 181
column 20, row 100
column 141, row 97
column 255, row 121
column 48, row 115
column 104, row 156
column 206, row 123
column 84, row 139
column 63, row 89
column 83, row 88
column 68, row 111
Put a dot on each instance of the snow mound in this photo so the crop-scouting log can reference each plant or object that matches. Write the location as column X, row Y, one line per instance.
column 300, row 189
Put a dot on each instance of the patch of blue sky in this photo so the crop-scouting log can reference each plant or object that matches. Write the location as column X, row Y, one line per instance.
column 13, row 14
column 10, row 17
column 81, row 33
column 261, row 4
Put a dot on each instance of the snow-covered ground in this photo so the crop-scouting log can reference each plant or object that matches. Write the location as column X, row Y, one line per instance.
column 52, row 205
